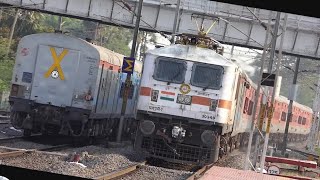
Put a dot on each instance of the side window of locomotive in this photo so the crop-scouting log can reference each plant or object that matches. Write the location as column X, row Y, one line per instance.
column 207, row 76
column 170, row 70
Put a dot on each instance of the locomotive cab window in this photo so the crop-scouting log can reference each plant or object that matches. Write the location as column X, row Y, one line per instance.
column 170, row 70
column 206, row 76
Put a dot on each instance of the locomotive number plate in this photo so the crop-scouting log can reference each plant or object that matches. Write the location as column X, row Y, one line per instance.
column 155, row 108
column 207, row 116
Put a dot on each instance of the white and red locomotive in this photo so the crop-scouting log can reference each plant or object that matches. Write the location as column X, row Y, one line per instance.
column 195, row 104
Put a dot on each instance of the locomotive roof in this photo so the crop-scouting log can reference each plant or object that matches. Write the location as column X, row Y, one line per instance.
column 197, row 54
column 192, row 53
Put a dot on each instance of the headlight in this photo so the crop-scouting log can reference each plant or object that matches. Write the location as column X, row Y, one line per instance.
column 154, row 95
column 184, row 99
column 178, row 132
column 213, row 104
column 147, row 127
column 208, row 137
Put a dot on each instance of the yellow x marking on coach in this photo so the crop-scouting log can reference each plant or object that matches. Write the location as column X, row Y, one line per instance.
column 56, row 63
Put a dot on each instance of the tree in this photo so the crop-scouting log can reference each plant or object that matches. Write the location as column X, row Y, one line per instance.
column 116, row 39
column 305, row 80
column 6, row 66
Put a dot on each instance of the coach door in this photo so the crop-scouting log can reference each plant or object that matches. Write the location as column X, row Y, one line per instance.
column 239, row 101
column 55, row 74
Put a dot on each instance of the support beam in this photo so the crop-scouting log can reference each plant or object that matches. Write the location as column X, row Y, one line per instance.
column 128, row 79
column 289, row 115
column 299, row 41
column 89, row 9
column 44, row 4
column 295, row 40
column 112, row 9
column 67, row 5
column 271, row 108
column 316, row 53
column 249, row 35
column 256, row 96
column 157, row 17
column 225, row 31
column 176, row 21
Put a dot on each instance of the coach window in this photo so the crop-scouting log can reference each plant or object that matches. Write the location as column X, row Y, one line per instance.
column 283, row 116
column 206, row 76
column 246, row 104
column 250, row 107
column 299, row 120
column 304, row 120
column 170, row 70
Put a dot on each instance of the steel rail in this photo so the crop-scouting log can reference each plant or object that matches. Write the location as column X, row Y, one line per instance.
column 198, row 173
column 121, row 172
column 307, row 154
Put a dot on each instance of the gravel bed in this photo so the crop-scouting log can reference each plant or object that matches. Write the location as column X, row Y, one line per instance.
column 24, row 145
column 233, row 160
column 4, row 150
column 97, row 161
column 236, row 158
column 157, row 173
column 126, row 151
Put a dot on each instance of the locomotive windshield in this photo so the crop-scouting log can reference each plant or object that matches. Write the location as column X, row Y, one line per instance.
column 170, row 70
column 207, row 76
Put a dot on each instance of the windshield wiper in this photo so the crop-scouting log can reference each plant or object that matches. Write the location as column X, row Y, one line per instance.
column 209, row 84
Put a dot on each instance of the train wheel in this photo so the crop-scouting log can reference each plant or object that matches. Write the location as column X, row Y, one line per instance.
column 238, row 142
column 216, row 149
column 232, row 143
column 17, row 119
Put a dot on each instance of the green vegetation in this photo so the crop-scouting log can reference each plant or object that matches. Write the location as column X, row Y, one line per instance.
column 30, row 22
column 317, row 151
column 6, row 65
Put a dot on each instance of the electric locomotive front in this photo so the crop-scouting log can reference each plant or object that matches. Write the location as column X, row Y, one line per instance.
column 185, row 103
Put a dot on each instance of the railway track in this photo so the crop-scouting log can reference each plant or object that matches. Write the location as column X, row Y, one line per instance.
column 9, row 139
column 14, row 152
column 126, row 171
column 133, row 171
column 139, row 170
column 200, row 172
column 144, row 171
column 307, row 154
column 4, row 113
